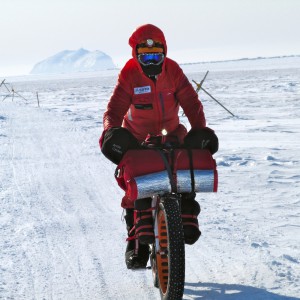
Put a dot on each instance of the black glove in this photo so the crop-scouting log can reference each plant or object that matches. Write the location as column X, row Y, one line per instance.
column 204, row 138
column 116, row 141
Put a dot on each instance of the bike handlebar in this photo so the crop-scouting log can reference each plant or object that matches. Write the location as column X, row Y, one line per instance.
column 161, row 142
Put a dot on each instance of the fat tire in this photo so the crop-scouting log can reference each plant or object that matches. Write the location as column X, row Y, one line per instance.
column 153, row 266
column 171, row 267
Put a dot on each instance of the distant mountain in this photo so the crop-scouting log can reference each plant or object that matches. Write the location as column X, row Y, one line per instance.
column 69, row 61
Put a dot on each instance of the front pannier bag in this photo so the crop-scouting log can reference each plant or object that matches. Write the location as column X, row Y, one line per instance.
column 143, row 173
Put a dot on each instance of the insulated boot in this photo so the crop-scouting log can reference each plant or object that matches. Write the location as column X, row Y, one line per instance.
column 190, row 209
column 136, row 258
column 136, row 254
column 144, row 230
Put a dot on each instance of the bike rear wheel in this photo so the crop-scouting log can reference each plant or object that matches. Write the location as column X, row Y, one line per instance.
column 170, row 254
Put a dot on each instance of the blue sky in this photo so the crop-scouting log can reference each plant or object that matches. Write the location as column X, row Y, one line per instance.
column 196, row 30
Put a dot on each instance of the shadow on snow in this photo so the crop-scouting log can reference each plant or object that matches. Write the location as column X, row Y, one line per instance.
column 215, row 291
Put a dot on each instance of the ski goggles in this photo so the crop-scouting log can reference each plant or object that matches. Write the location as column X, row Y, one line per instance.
column 151, row 58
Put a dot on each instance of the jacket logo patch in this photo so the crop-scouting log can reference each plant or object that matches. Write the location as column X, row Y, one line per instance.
column 142, row 90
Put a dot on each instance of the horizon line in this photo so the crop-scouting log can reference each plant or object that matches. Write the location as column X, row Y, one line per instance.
column 240, row 59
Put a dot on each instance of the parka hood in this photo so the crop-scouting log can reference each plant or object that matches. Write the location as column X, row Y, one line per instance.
column 144, row 32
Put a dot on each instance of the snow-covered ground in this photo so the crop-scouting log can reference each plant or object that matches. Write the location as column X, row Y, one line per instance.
column 60, row 219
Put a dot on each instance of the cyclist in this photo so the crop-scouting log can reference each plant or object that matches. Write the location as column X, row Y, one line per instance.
column 150, row 89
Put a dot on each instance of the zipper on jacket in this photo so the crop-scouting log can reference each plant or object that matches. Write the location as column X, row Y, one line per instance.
column 161, row 99
column 159, row 102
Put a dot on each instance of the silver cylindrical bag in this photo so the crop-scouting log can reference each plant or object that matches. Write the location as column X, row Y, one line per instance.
column 152, row 184
column 204, row 181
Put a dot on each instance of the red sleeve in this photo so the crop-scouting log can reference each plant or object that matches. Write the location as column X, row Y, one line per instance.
column 118, row 104
column 188, row 100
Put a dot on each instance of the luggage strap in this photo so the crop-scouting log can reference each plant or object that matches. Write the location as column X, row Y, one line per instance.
column 190, row 155
column 169, row 171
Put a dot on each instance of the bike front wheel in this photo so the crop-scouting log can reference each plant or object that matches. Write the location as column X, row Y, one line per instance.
column 170, row 250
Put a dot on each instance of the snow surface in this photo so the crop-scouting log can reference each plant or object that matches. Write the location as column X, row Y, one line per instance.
column 60, row 219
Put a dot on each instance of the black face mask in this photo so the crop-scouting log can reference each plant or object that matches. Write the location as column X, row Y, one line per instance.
column 152, row 70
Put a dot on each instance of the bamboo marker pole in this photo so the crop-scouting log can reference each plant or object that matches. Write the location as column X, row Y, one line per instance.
column 38, row 100
column 199, row 87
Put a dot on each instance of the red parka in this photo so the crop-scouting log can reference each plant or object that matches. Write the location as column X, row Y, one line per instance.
column 147, row 107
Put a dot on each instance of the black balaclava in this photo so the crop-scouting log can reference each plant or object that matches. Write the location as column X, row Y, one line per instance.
column 152, row 70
